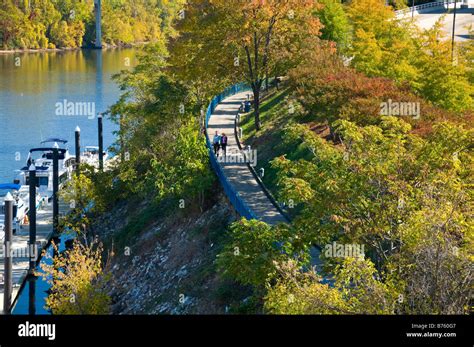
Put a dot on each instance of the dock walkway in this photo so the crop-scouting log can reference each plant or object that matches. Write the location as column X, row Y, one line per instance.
column 20, row 262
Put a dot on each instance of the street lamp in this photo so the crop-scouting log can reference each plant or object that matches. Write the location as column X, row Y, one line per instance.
column 454, row 26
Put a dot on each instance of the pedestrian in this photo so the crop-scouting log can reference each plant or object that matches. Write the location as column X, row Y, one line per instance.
column 216, row 141
column 224, row 143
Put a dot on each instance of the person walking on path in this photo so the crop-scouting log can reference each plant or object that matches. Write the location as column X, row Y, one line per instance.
column 224, row 143
column 216, row 143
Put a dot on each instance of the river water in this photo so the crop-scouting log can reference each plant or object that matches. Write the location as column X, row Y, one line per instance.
column 31, row 86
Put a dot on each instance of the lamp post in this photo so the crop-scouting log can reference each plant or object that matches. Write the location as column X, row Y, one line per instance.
column 454, row 26
column 98, row 23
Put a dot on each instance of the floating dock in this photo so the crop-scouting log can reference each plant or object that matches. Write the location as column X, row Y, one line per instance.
column 20, row 259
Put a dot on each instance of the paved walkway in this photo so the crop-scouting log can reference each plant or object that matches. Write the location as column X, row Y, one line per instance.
column 238, row 174
column 464, row 18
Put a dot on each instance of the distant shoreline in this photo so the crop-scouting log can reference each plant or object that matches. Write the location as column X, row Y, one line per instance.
column 49, row 50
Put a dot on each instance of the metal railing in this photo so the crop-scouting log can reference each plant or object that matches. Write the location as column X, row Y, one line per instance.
column 423, row 6
column 235, row 199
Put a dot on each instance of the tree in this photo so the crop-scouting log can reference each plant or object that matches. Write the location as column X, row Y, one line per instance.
column 444, row 83
column 76, row 280
column 400, row 195
column 335, row 23
column 159, row 131
column 255, row 246
column 79, row 193
column 466, row 51
column 386, row 46
column 245, row 38
column 357, row 290
column 383, row 45
column 70, row 24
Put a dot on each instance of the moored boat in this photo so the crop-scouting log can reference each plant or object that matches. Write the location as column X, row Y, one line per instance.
column 21, row 196
column 42, row 159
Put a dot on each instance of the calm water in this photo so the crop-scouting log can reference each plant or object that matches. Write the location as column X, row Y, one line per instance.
column 28, row 97
column 30, row 88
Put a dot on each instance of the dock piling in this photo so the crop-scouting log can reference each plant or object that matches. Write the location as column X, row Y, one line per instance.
column 78, row 148
column 55, row 188
column 32, row 217
column 7, row 293
column 101, row 142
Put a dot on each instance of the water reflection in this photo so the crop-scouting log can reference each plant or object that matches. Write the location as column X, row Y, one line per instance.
column 31, row 85
column 32, row 295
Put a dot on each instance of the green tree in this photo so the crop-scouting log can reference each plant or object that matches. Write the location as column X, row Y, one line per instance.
column 383, row 45
column 335, row 23
column 254, row 247
column 444, row 83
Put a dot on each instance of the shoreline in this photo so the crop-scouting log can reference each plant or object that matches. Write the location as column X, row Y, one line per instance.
column 59, row 50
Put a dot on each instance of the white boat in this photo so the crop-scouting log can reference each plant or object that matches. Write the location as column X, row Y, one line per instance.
column 21, row 196
column 90, row 156
column 42, row 159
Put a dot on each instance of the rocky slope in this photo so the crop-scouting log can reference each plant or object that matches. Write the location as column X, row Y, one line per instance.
column 168, row 267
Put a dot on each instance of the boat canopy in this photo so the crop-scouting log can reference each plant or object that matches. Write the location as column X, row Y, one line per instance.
column 10, row 186
column 44, row 149
column 54, row 139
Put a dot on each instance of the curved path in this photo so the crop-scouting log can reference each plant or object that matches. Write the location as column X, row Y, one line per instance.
column 426, row 19
column 237, row 172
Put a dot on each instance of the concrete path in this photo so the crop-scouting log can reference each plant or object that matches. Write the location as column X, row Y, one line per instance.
column 238, row 173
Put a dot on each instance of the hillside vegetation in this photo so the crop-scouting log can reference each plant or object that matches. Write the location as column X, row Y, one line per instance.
column 43, row 24
column 395, row 186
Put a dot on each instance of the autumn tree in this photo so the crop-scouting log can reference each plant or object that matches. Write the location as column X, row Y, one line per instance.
column 246, row 40
column 382, row 45
column 443, row 82
column 357, row 290
column 76, row 278
column 69, row 24
column 393, row 192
